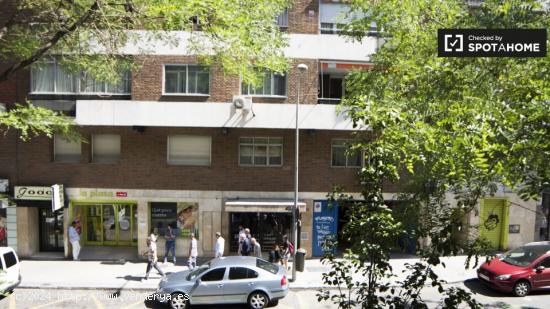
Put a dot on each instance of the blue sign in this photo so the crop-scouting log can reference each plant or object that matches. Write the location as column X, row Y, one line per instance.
column 325, row 223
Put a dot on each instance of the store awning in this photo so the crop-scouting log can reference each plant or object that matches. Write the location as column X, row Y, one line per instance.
column 262, row 205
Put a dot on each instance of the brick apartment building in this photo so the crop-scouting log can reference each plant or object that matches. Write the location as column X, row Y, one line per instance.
column 167, row 145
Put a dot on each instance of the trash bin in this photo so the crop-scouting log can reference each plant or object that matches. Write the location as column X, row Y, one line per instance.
column 300, row 259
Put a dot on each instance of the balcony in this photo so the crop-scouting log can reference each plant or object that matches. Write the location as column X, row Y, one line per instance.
column 331, row 79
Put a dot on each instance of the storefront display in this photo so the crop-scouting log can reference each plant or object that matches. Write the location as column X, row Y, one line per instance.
column 183, row 216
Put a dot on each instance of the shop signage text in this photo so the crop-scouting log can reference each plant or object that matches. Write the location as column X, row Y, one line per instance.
column 33, row 193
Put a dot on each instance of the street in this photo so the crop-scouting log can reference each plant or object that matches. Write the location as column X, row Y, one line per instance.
column 298, row 299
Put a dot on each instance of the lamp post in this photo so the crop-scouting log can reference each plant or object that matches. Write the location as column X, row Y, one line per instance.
column 302, row 68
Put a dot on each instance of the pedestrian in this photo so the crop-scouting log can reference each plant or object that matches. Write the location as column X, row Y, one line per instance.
column 275, row 255
column 288, row 249
column 241, row 245
column 193, row 252
column 256, row 248
column 74, row 238
column 170, row 244
column 220, row 245
column 246, row 243
column 152, row 257
column 240, row 237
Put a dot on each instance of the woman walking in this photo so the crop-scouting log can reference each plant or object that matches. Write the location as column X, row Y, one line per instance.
column 152, row 257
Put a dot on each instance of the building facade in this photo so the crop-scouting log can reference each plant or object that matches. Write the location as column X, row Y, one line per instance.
column 167, row 145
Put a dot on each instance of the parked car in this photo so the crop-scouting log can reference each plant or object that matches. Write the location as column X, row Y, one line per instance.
column 519, row 271
column 226, row 280
column 10, row 272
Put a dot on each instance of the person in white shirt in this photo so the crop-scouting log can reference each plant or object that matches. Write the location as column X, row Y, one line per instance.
column 152, row 256
column 193, row 252
column 220, row 245
column 257, row 249
column 74, row 238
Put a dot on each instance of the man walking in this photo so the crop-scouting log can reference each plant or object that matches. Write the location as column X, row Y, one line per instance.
column 219, row 246
column 170, row 244
column 152, row 257
column 256, row 248
column 193, row 252
column 74, row 238
column 246, row 246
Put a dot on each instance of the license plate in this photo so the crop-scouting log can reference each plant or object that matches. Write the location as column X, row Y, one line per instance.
column 484, row 277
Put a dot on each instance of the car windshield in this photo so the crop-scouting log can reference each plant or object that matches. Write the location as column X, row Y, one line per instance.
column 525, row 255
column 265, row 265
column 196, row 272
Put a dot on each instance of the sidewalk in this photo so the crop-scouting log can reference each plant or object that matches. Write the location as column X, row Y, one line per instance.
column 126, row 275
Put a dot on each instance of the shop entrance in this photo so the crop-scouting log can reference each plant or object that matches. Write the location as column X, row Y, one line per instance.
column 267, row 228
column 112, row 224
column 51, row 229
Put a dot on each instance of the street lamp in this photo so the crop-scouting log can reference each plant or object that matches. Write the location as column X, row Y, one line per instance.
column 302, row 68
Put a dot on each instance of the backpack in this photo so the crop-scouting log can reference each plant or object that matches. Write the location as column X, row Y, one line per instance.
column 291, row 247
column 245, row 247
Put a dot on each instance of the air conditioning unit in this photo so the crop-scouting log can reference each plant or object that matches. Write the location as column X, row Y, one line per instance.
column 242, row 102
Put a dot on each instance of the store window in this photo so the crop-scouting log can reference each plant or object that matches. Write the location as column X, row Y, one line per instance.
column 183, row 217
column 186, row 79
column 51, row 78
column 189, row 150
column 105, row 148
column 272, row 85
column 65, row 150
column 261, row 151
column 343, row 156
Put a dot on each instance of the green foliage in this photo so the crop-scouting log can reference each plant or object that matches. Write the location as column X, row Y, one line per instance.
column 447, row 129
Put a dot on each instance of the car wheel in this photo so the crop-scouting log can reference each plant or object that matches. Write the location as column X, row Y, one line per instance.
column 257, row 300
column 273, row 303
column 522, row 288
column 178, row 301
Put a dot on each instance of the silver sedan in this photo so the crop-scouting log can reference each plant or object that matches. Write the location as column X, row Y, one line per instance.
column 226, row 280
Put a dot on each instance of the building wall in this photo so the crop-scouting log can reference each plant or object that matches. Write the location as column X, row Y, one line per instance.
column 27, row 231
column 303, row 17
column 143, row 163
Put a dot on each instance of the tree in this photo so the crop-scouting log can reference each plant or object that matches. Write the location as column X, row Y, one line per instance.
column 91, row 36
column 457, row 126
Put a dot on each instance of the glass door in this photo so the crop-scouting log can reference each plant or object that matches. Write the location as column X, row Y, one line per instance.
column 51, row 230
column 108, row 224
column 124, row 224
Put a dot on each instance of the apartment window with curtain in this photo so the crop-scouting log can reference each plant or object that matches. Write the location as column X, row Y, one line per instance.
column 106, row 148
column 66, row 151
column 272, row 85
column 51, row 78
column 342, row 156
column 189, row 150
column 186, row 79
column 261, row 151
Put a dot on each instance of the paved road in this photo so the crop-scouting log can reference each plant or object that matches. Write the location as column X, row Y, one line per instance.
column 304, row 299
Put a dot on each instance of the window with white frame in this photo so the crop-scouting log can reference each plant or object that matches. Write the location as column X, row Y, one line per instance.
column 186, row 79
column 105, row 148
column 65, row 150
column 51, row 78
column 343, row 155
column 272, row 84
column 189, row 150
column 261, row 151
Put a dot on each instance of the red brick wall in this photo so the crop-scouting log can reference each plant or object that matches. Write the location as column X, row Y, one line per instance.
column 303, row 17
column 143, row 163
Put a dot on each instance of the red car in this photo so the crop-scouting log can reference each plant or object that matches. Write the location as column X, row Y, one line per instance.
column 519, row 271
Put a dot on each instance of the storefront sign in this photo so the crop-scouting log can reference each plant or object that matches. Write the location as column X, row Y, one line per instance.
column 33, row 193
column 58, row 197
column 122, row 194
column 324, row 225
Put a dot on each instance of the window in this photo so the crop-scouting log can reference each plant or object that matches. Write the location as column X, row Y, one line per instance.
column 162, row 215
column 331, row 88
column 282, row 19
column 51, row 78
column 189, row 150
column 331, row 28
column 265, row 265
column 214, row 275
column 545, row 263
column 65, row 150
column 261, row 151
column 10, row 259
column 236, row 273
column 106, row 148
column 186, row 79
column 272, row 84
column 341, row 156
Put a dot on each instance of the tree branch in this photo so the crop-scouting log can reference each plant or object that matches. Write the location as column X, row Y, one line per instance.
column 50, row 43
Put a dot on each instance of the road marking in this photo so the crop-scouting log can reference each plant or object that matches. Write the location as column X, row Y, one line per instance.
column 12, row 301
column 49, row 304
column 98, row 304
column 132, row 305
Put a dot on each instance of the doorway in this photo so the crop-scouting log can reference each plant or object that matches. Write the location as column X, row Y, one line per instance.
column 493, row 222
column 51, row 230
column 267, row 228
column 111, row 224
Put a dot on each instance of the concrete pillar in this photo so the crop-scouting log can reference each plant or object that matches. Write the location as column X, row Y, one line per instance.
column 28, row 242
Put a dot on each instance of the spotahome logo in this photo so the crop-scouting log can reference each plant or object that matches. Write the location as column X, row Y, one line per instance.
column 491, row 42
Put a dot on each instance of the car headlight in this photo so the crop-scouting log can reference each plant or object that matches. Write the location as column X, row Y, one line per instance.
column 503, row 277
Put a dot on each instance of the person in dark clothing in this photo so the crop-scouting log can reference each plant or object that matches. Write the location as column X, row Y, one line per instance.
column 275, row 255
